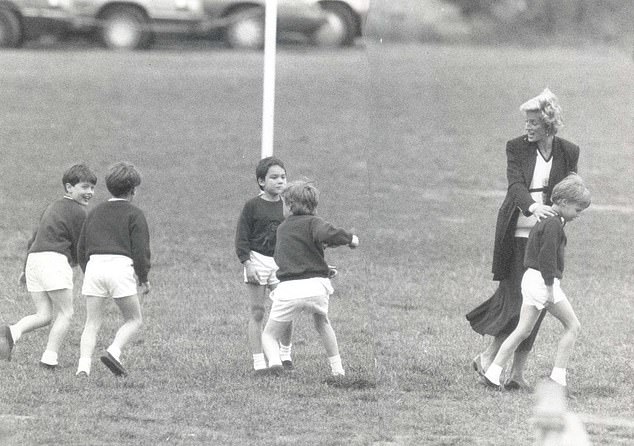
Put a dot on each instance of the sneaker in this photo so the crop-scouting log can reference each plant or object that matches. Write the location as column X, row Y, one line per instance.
column 517, row 384
column 6, row 343
column 476, row 364
column 115, row 366
column 490, row 384
column 276, row 370
column 288, row 364
column 81, row 374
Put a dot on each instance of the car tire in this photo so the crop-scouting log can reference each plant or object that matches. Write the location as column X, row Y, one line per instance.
column 245, row 29
column 339, row 29
column 10, row 29
column 125, row 28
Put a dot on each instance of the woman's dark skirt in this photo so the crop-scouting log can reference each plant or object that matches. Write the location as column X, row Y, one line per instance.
column 499, row 315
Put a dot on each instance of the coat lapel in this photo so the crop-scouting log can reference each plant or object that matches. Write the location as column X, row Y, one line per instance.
column 528, row 151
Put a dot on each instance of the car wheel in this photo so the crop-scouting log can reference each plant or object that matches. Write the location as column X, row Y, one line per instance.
column 339, row 29
column 10, row 29
column 245, row 29
column 125, row 28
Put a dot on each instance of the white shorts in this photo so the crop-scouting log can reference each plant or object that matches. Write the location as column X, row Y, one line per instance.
column 293, row 297
column 534, row 291
column 48, row 271
column 266, row 268
column 109, row 276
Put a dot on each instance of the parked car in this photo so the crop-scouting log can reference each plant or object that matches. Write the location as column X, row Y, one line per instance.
column 22, row 20
column 133, row 24
column 322, row 22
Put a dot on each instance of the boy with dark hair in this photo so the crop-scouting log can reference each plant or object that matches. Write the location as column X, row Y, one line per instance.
column 114, row 252
column 255, row 246
column 48, row 270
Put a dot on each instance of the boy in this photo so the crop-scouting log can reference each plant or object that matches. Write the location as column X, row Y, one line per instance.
column 303, row 273
column 541, row 289
column 48, row 270
column 255, row 246
column 114, row 246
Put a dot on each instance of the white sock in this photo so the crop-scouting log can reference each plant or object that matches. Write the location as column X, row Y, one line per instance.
column 558, row 375
column 285, row 352
column 259, row 363
column 493, row 374
column 335, row 365
column 15, row 333
column 115, row 352
column 49, row 358
column 83, row 366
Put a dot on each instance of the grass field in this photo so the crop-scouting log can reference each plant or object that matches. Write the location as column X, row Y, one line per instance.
column 406, row 144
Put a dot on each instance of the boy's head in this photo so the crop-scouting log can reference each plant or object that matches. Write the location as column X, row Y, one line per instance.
column 301, row 198
column 122, row 179
column 78, row 173
column 79, row 183
column 263, row 168
column 571, row 196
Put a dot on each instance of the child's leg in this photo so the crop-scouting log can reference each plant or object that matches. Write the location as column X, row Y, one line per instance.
column 270, row 341
column 563, row 311
column 285, row 341
column 528, row 316
column 133, row 320
column 94, row 317
column 41, row 318
column 257, row 298
column 63, row 302
column 328, row 337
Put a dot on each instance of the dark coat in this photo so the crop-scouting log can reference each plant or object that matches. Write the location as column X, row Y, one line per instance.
column 520, row 164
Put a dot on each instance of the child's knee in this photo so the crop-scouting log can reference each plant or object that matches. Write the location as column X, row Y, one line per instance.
column 320, row 322
column 257, row 313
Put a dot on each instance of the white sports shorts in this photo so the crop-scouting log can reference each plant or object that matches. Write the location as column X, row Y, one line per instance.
column 266, row 268
column 293, row 297
column 48, row 271
column 534, row 291
column 109, row 276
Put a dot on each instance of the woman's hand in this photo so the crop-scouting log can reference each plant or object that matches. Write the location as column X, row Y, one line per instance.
column 542, row 211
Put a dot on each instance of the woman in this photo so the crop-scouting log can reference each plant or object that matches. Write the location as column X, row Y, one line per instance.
column 535, row 163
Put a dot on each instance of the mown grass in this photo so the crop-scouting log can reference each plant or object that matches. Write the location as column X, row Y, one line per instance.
column 406, row 144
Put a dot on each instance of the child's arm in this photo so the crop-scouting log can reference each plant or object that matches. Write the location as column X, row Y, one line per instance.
column 243, row 250
column 547, row 256
column 329, row 235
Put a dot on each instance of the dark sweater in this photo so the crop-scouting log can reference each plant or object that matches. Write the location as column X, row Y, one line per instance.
column 257, row 227
column 116, row 228
column 59, row 228
column 545, row 248
column 299, row 251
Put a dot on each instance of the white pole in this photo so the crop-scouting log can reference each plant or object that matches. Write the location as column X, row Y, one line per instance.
column 268, row 97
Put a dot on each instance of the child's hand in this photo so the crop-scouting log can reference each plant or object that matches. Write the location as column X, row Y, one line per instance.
column 355, row 242
column 22, row 278
column 145, row 288
column 252, row 274
column 550, row 294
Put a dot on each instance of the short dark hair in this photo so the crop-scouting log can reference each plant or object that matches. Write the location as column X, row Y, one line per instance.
column 78, row 173
column 263, row 168
column 122, row 179
column 301, row 197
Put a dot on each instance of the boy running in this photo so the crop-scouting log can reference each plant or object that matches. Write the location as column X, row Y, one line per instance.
column 541, row 289
column 114, row 253
column 48, row 270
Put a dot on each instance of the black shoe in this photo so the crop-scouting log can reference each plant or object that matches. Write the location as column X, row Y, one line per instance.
column 6, row 343
column 276, row 370
column 477, row 365
column 513, row 384
column 81, row 374
column 288, row 365
column 114, row 365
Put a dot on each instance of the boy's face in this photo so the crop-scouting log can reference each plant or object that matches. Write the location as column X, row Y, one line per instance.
column 274, row 182
column 80, row 192
column 570, row 210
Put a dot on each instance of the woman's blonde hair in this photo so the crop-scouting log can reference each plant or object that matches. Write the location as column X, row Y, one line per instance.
column 547, row 104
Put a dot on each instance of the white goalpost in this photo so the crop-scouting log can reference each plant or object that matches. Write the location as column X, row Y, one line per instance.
column 268, row 96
